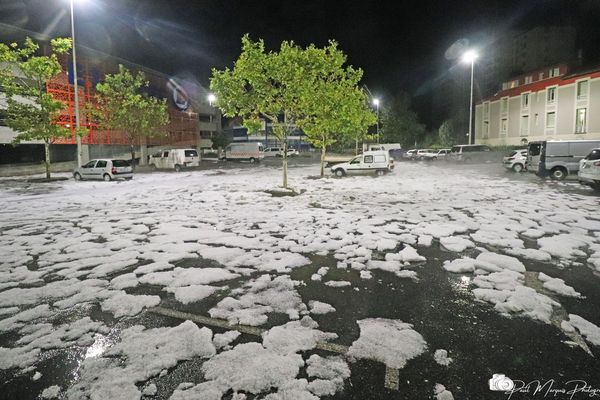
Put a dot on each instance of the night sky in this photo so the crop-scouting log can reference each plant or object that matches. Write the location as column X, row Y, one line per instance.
column 399, row 44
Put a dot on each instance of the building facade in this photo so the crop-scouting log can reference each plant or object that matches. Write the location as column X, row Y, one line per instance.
column 547, row 104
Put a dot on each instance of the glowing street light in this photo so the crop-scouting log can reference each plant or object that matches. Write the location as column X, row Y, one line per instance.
column 376, row 103
column 469, row 57
column 75, row 88
column 211, row 99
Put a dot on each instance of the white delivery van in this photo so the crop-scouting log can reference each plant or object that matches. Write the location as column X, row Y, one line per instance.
column 176, row 159
column 382, row 146
column 251, row 151
column 370, row 162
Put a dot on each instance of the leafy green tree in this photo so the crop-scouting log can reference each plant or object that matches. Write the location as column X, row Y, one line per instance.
column 123, row 105
column 337, row 110
column 31, row 110
column 400, row 124
column 447, row 136
column 271, row 85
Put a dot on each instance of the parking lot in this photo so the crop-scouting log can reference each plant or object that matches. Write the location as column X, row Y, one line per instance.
column 417, row 284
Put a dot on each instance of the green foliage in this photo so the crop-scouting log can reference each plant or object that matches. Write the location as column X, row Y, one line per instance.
column 309, row 87
column 31, row 110
column 220, row 140
column 122, row 105
column 400, row 124
column 447, row 135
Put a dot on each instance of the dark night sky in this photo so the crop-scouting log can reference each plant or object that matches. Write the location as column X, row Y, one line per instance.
column 399, row 44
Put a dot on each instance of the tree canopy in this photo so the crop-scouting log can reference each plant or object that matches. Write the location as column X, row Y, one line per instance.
column 294, row 87
column 123, row 105
column 31, row 110
column 400, row 124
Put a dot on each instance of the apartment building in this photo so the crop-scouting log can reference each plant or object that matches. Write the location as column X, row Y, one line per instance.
column 550, row 103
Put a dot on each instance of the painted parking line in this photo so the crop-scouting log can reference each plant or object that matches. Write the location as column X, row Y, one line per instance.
column 391, row 380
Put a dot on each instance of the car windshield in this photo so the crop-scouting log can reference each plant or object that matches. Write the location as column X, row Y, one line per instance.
column 514, row 153
column 456, row 149
column 594, row 155
column 534, row 149
column 191, row 153
column 120, row 163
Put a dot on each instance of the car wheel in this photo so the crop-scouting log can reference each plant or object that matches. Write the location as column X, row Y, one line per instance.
column 252, row 160
column 106, row 178
column 339, row 172
column 380, row 172
column 77, row 176
column 434, row 158
column 517, row 167
column 558, row 173
column 128, row 179
column 177, row 168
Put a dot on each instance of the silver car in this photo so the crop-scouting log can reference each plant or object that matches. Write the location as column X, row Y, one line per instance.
column 589, row 169
column 104, row 169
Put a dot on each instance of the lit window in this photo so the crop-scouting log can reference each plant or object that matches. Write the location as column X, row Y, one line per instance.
column 550, row 95
column 550, row 120
column 582, row 90
column 528, row 79
column 580, row 120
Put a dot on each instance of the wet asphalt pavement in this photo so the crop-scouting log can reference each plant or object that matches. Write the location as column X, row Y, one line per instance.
column 439, row 305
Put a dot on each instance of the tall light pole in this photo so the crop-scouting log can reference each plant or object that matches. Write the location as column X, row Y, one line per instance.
column 376, row 103
column 470, row 57
column 75, row 88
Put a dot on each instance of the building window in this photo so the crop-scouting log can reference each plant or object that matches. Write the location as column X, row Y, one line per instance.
column 550, row 95
column 503, row 126
column 486, row 110
column 525, row 125
column 486, row 129
column 582, row 90
column 525, row 101
column 554, row 72
column 541, row 76
column 504, row 105
column 551, row 120
column 514, row 84
column 504, row 85
column 528, row 79
column 580, row 120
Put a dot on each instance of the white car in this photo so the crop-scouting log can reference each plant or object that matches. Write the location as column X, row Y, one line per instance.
column 278, row 152
column 410, row 154
column 176, row 159
column 589, row 169
column 370, row 162
column 104, row 169
column 421, row 154
column 516, row 161
column 436, row 154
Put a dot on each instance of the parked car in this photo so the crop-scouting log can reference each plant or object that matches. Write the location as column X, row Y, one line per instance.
column 589, row 169
column 436, row 154
column 516, row 160
column 410, row 154
column 558, row 158
column 469, row 152
column 104, row 169
column 176, row 159
column 421, row 154
column 278, row 152
column 370, row 162
column 251, row 151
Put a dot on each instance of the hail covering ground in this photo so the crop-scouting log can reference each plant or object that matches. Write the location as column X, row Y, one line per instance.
column 80, row 245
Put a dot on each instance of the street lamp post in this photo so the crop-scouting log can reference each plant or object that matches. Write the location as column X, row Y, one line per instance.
column 75, row 89
column 376, row 102
column 470, row 57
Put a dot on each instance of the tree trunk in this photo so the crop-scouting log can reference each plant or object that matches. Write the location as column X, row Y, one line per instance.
column 132, row 150
column 285, row 169
column 323, row 150
column 47, row 158
column 356, row 148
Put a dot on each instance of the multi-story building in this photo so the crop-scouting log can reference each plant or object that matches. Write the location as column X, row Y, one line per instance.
column 193, row 121
column 549, row 103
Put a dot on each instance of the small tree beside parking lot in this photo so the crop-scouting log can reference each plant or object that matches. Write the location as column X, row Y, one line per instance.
column 122, row 105
column 31, row 111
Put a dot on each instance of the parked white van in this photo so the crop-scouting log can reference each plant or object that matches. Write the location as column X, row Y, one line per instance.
column 370, row 162
column 251, row 151
column 176, row 159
